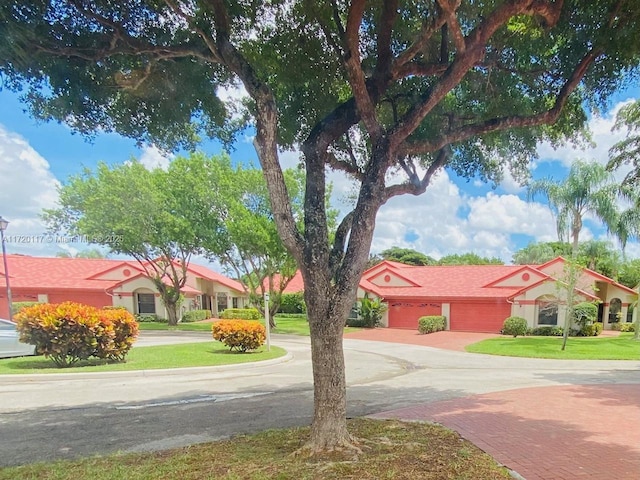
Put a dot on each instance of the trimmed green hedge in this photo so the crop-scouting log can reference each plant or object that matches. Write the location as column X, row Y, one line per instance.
column 241, row 314
column 195, row 316
column 546, row 331
column 149, row 317
column 301, row 316
column 292, row 303
column 432, row 323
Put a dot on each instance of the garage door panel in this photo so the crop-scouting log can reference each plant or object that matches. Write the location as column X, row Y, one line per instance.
column 406, row 314
column 479, row 317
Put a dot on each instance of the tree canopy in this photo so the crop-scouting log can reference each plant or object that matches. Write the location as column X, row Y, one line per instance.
column 160, row 218
column 597, row 255
column 387, row 92
column 627, row 151
column 469, row 258
column 407, row 256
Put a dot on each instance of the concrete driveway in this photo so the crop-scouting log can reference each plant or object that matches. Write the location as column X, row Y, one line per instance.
column 493, row 397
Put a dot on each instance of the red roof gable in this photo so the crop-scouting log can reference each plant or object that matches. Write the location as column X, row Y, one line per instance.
column 204, row 272
column 46, row 273
column 57, row 273
column 448, row 281
column 295, row 285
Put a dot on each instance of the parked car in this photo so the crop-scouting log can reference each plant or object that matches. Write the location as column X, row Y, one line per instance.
column 10, row 344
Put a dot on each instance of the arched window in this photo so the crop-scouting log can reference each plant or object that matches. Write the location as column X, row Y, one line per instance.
column 547, row 306
column 615, row 310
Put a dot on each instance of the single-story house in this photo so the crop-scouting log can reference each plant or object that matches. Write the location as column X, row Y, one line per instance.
column 478, row 298
column 104, row 282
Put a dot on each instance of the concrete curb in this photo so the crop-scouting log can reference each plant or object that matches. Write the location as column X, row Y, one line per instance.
column 40, row 377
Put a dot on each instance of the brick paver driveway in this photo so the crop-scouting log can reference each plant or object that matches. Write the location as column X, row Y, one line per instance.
column 543, row 433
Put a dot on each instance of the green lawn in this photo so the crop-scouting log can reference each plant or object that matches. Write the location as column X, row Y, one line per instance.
column 623, row 347
column 390, row 450
column 147, row 358
column 201, row 327
column 290, row 326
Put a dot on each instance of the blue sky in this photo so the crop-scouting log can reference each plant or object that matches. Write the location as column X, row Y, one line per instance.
column 454, row 216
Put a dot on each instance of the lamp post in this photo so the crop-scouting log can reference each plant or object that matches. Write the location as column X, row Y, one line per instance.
column 3, row 226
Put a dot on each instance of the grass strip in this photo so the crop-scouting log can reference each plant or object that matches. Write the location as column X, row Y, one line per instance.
column 623, row 347
column 390, row 450
column 202, row 354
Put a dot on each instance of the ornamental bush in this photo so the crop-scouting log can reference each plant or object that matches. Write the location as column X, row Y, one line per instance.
column 69, row 332
column 514, row 326
column 240, row 314
column 624, row 327
column 585, row 313
column 431, row 323
column 239, row 335
column 591, row 330
column 195, row 316
column 149, row 317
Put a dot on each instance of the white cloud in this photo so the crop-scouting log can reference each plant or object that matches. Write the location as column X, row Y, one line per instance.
column 447, row 221
column 152, row 157
column 510, row 184
column 26, row 187
column 603, row 138
column 510, row 214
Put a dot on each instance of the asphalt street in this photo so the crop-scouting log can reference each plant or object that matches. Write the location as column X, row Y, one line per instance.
column 47, row 417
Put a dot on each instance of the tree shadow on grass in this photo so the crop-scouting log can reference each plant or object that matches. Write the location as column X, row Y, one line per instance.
column 42, row 363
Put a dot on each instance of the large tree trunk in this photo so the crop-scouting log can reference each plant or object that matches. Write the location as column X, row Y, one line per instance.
column 326, row 322
column 172, row 312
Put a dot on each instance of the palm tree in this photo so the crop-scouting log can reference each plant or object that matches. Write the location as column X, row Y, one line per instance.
column 588, row 189
column 626, row 228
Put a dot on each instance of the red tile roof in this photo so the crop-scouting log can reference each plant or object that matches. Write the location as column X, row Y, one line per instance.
column 57, row 273
column 46, row 273
column 450, row 281
column 295, row 285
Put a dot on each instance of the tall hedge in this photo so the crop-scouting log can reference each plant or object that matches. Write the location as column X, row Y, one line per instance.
column 240, row 314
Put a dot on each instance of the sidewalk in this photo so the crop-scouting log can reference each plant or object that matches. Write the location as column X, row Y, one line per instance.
column 447, row 340
column 548, row 433
column 543, row 433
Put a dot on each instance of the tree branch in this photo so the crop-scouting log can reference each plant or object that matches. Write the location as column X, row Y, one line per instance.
column 266, row 139
column 337, row 252
column 351, row 169
column 504, row 123
column 420, row 42
column 475, row 49
column 417, row 186
column 419, row 70
column 201, row 33
column 387, row 20
column 353, row 66
column 449, row 12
